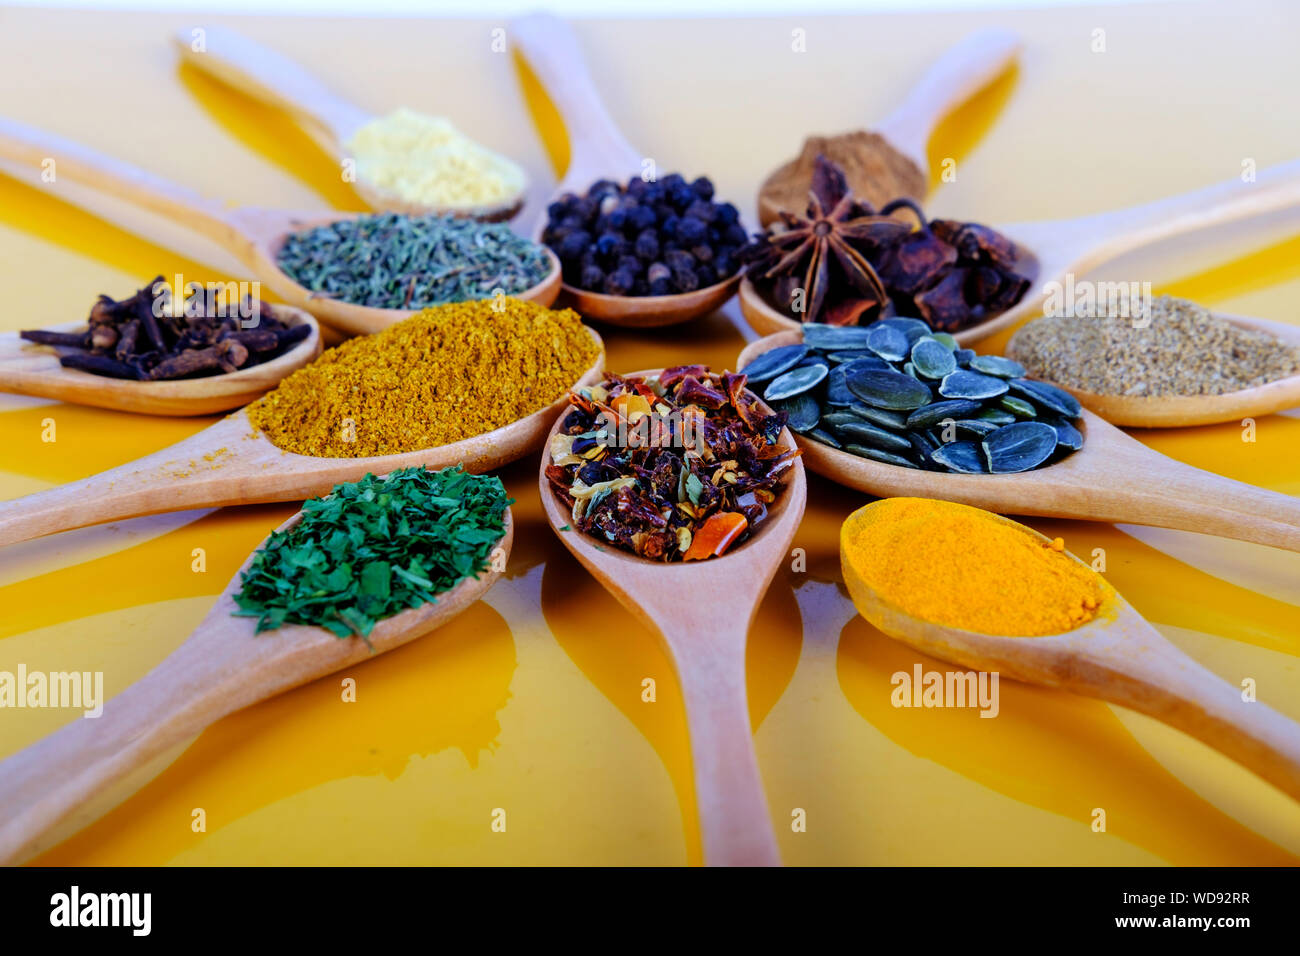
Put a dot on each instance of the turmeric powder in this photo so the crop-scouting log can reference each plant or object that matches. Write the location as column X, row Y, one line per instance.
column 443, row 375
column 962, row 567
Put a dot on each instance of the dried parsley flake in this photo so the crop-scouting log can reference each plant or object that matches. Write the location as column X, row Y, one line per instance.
column 373, row 548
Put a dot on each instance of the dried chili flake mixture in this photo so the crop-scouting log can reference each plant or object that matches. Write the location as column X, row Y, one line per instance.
column 682, row 465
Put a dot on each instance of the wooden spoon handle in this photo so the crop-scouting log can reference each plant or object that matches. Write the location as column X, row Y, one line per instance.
column 964, row 69
column 57, row 157
column 596, row 147
column 267, row 76
column 1137, row 668
column 190, row 474
column 1113, row 233
column 735, row 824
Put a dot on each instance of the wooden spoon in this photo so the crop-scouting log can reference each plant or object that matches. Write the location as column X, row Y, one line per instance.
column 1117, row 657
column 702, row 612
column 29, row 369
column 329, row 119
column 1113, row 478
column 221, row 668
column 1054, row 249
column 1173, row 411
column 252, row 235
column 597, row 150
column 896, row 152
column 232, row 463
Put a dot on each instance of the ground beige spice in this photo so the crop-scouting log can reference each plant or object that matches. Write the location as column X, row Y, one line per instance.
column 1185, row 350
column 875, row 170
column 443, row 375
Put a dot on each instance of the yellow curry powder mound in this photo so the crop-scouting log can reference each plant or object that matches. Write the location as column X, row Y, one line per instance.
column 445, row 374
column 962, row 567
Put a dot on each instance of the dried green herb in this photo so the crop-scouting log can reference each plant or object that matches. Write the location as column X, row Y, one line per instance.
column 394, row 261
column 373, row 548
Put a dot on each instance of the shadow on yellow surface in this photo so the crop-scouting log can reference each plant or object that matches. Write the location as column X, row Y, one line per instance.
column 308, row 737
column 1063, row 753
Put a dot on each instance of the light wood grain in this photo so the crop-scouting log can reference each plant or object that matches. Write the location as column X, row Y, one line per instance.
column 253, row 235
column 702, row 611
column 232, row 463
column 1176, row 411
column 963, row 70
column 331, row 120
column 221, row 668
column 28, row 369
column 597, row 150
column 1113, row 478
column 1117, row 657
column 1051, row 249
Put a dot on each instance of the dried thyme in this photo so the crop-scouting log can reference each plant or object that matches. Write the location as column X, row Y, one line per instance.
column 373, row 548
column 394, row 261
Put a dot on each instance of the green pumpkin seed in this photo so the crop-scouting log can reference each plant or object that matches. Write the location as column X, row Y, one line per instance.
column 887, row 342
column 864, row 433
column 1067, row 436
column 815, row 360
column 1048, row 396
column 998, row 416
column 933, row 359
column 997, row 365
column 850, row 355
column 834, row 338
column 1018, row 407
column 795, row 382
column 825, row 437
column 1019, row 447
column 894, row 421
column 772, row 363
column 945, row 339
column 932, row 414
column 978, row 428
column 922, row 443
column 912, row 328
column 964, row 357
column 803, row 412
column 837, row 390
column 838, row 417
column 882, row 456
column 963, row 457
column 888, row 389
column 964, row 384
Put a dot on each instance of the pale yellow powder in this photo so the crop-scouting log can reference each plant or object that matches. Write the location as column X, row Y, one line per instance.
column 426, row 160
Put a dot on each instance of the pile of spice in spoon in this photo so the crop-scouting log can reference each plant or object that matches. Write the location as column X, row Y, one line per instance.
column 678, row 466
column 373, row 548
column 146, row 339
column 395, row 261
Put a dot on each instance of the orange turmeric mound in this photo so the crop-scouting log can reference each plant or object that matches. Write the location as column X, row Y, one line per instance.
column 962, row 567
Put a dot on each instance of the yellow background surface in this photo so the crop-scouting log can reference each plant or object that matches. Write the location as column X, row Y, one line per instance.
column 531, row 701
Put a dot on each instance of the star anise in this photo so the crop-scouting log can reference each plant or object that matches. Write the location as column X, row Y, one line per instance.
column 846, row 263
column 824, row 253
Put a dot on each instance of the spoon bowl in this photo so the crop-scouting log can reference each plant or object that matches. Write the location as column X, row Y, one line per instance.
column 29, row 369
column 1113, row 478
column 224, row 666
column 330, row 120
column 252, row 235
column 702, row 612
column 1175, row 411
column 232, row 463
column 598, row 150
column 1053, row 254
column 1117, row 657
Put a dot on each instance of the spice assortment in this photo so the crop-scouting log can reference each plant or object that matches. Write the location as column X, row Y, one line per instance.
column 443, row 375
column 143, row 338
column 396, row 261
column 424, row 160
column 1178, row 348
column 648, row 238
column 846, row 263
column 962, row 567
column 373, row 548
column 682, row 465
column 900, row 393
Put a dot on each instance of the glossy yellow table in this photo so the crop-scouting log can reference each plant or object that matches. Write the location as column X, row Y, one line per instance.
column 531, row 702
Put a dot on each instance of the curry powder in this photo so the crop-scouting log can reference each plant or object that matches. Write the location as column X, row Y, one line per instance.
column 443, row 375
column 966, row 568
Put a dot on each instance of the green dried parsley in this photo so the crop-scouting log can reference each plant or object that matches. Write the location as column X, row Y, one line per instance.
column 373, row 548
